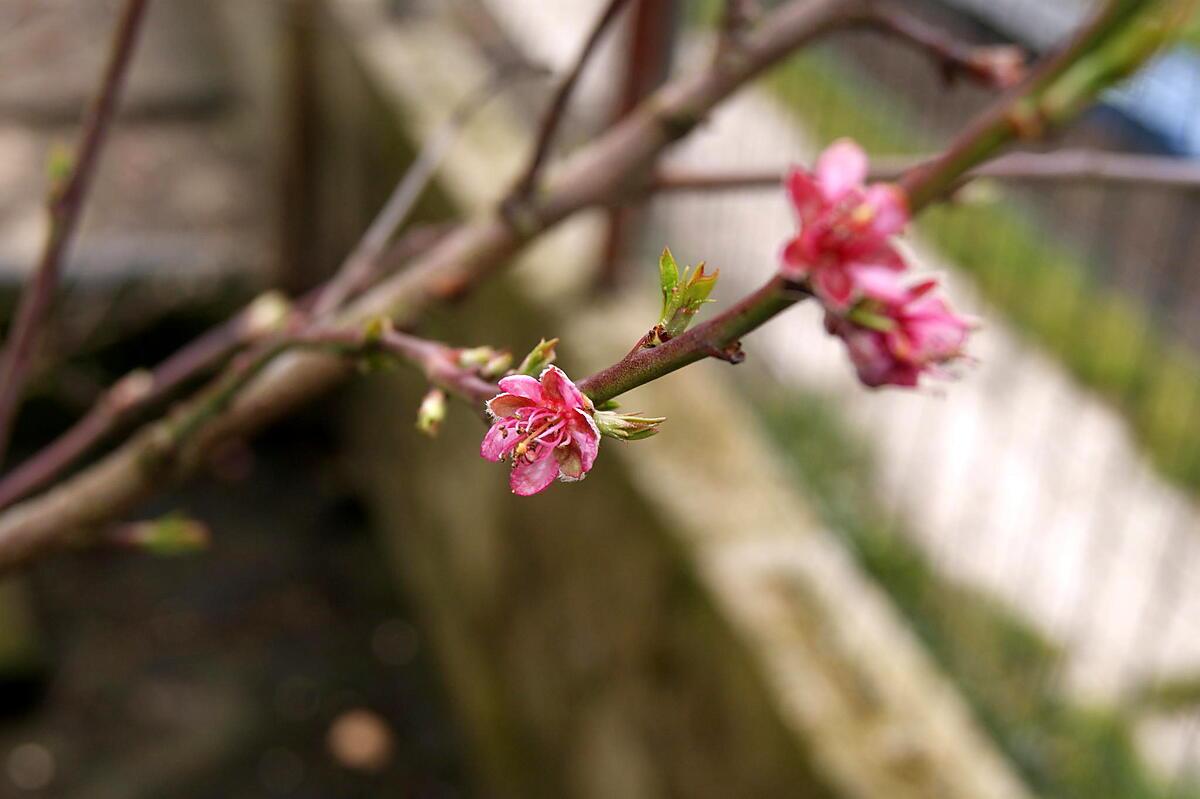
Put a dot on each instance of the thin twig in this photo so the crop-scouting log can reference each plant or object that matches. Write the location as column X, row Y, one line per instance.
column 143, row 389
column 364, row 259
column 597, row 176
column 65, row 204
column 735, row 19
column 558, row 106
column 1059, row 166
column 997, row 66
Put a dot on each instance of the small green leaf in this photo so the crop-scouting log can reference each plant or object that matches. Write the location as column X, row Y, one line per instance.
column 668, row 276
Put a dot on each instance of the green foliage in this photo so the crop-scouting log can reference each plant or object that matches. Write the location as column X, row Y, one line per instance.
column 1001, row 664
column 683, row 295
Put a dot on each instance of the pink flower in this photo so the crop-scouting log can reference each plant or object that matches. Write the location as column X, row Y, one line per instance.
column 845, row 226
column 546, row 425
column 898, row 332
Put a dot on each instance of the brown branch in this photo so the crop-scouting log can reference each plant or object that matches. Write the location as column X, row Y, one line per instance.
column 598, row 175
column 558, row 107
column 462, row 258
column 997, row 66
column 1060, row 166
column 65, row 204
column 357, row 268
column 146, row 388
column 718, row 337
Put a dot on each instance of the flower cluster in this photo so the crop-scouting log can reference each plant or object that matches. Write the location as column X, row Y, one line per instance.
column 894, row 331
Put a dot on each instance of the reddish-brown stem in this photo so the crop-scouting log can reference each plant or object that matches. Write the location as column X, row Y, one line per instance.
column 718, row 337
column 65, row 204
column 1060, row 166
column 558, row 106
column 996, row 66
column 197, row 358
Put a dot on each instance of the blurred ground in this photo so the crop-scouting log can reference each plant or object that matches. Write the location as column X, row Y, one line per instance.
column 221, row 674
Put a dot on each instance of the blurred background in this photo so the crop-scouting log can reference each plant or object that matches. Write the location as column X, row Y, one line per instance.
column 801, row 588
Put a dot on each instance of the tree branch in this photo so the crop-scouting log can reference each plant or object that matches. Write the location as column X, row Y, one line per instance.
column 65, row 204
column 558, row 106
column 996, row 66
column 597, row 175
column 1059, row 166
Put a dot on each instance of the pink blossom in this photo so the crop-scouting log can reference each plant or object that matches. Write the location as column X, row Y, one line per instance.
column 897, row 332
column 547, row 427
column 845, row 225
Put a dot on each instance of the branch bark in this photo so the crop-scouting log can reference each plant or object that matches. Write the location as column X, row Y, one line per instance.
column 598, row 175
column 558, row 106
column 65, row 207
column 1059, row 166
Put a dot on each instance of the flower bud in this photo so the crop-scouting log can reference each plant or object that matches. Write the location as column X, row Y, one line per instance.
column 267, row 313
column 475, row 357
column 627, row 426
column 538, row 358
column 497, row 366
column 172, row 534
column 682, row 295
column 432, row 412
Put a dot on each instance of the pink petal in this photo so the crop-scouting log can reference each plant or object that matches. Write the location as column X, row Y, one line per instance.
column 834, row 285
column 806, row 194
column 503, row 406
column 890, row 207
column 880, row 283
column 795, row 266
column 570, row 463
column 523, row 386
column 587, row 440
column 499, row 440
column 842, row 167
column 530, row 477
column 559, row 388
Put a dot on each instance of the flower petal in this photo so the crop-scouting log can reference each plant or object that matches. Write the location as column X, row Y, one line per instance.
column 835, row 286
column 806, row 194
column 498, row 441
column 570, row 463
column 587, row 440
column 559, row 388
column 880, row 283
column 842, row 167
column 523, row 386
column 795, row 266
column 890, row 209
column 530, row 477
column 503, row 406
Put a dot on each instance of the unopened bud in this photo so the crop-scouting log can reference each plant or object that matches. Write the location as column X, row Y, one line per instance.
column 170, row 535
column 627, row 426
column 376, row 328
column 497, row 366
column 432, row 412
column 131, row 389
column 267, row 313
column 1002, row 66
column 538, row 358
column 475, row 357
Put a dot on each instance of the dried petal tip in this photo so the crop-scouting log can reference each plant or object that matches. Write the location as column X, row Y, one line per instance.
column 627, row 426
column 432, row 412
